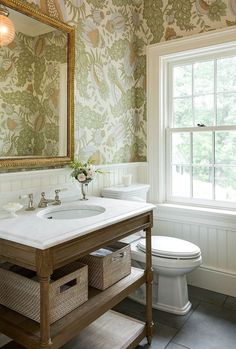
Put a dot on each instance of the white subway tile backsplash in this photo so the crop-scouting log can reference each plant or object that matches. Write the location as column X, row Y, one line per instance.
column 14, row 184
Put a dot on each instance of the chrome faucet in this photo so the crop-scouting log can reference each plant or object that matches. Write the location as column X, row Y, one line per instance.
column 30, row 203
column 44, row 202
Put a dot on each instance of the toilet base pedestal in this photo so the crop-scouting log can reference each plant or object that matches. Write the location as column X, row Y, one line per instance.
column 173, row 310
column 169, row 294
column 172, row 295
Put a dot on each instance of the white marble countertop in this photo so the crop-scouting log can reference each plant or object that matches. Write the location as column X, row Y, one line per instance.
column 31, row 230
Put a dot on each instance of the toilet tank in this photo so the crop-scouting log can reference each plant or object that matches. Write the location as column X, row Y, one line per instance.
column 133, row 192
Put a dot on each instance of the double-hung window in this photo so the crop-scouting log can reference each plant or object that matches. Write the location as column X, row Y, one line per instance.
column 201, row 129
column 192, row 121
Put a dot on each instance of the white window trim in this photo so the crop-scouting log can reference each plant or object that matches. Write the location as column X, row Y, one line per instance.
column 217, row 218
column 156, row 56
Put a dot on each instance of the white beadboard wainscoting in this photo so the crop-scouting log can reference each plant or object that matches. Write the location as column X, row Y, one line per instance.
column 214, row 231
column 14, row 184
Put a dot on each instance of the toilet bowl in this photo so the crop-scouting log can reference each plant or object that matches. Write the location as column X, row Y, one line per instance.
column 172, row 259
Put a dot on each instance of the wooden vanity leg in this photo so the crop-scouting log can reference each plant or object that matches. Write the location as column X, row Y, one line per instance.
column 149, row 281
column 45, row 340
column 44, row 271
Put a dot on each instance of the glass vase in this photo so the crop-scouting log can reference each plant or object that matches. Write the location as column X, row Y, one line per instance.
column 84, row 189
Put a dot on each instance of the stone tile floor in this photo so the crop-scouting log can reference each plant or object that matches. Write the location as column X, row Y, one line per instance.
column 211, row 324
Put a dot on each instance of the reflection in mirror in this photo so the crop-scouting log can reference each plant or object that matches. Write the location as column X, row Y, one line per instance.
column 33, row 91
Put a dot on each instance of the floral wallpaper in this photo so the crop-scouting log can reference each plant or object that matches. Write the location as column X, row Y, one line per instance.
column 29, row 93
column 111, row 37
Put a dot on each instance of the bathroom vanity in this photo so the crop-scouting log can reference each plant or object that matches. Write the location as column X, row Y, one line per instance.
column 40, row 244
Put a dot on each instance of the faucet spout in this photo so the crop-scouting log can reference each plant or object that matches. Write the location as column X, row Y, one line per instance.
column 44, row 202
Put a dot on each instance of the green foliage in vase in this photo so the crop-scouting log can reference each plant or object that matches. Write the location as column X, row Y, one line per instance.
column 84, row 171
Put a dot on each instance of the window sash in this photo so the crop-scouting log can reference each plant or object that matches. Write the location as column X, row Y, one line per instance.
column 201, row 129
column 169, row 129
column 199, row 58
column 212, row 165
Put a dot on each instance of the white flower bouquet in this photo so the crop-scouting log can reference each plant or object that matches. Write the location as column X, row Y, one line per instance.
column 84, row 172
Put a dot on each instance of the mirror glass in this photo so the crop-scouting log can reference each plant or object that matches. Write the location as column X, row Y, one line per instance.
column 33, row 91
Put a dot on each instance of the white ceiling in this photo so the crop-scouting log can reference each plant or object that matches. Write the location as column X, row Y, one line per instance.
column 27, row 25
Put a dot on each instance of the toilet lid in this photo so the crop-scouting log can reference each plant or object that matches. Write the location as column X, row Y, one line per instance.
column 168, row 247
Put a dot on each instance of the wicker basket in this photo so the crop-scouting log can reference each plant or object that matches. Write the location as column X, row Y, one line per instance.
column 20, row 290
column 104, row 271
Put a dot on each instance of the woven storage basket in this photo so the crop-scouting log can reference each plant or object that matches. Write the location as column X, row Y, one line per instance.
column 104, row 271
column 20, row 290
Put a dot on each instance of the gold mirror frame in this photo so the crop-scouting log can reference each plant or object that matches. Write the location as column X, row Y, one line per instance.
column 21, row 162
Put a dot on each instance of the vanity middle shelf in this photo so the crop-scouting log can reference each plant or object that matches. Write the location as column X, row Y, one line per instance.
column 64, row 329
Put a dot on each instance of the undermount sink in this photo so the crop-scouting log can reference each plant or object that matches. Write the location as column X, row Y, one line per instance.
column 71, row 212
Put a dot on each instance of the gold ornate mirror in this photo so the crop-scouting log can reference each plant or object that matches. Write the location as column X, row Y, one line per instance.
column 36, row 88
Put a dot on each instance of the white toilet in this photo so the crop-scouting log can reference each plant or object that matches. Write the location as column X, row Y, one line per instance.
column 172, row 259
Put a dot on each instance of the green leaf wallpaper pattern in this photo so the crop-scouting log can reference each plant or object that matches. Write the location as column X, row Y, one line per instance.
column 29, row 92
column 111, row 36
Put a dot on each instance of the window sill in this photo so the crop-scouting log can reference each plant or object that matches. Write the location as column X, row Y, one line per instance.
column 219, row 218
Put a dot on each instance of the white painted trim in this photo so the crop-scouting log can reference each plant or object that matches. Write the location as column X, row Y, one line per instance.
column 214, row 280
column 156, row 55
column 200, row 40
column 154, row 129
column 12, row 175
column 195, row 215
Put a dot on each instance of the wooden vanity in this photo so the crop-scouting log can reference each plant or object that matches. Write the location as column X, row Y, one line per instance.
column 92, row 322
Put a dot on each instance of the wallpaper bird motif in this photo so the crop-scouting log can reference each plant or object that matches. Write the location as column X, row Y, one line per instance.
column 111, row 37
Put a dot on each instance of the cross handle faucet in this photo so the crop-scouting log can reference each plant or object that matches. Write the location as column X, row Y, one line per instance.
column 44, row 202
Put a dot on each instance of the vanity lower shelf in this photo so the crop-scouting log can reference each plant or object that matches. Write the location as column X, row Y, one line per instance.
column 27, row 332
column 111, row 330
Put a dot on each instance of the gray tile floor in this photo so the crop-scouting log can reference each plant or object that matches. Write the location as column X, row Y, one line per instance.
column 211, row 324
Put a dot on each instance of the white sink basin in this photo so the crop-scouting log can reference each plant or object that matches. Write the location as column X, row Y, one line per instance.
column 71, row 212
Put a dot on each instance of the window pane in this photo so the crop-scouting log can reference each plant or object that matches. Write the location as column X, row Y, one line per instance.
column 226, row 74
column 226, row 109
column 202, row 183
column 182, row 81
column 181, row 180
column 203, row 77
column 225, row 183
column 181, row 148
column 225, row 147
column 183, row 112
column 204, row 110
column 202, row 148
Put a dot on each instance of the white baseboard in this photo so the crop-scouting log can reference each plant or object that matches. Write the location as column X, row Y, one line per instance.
column 213, row 280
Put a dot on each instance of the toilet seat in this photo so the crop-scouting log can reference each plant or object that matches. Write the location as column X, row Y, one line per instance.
column 171, row 248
